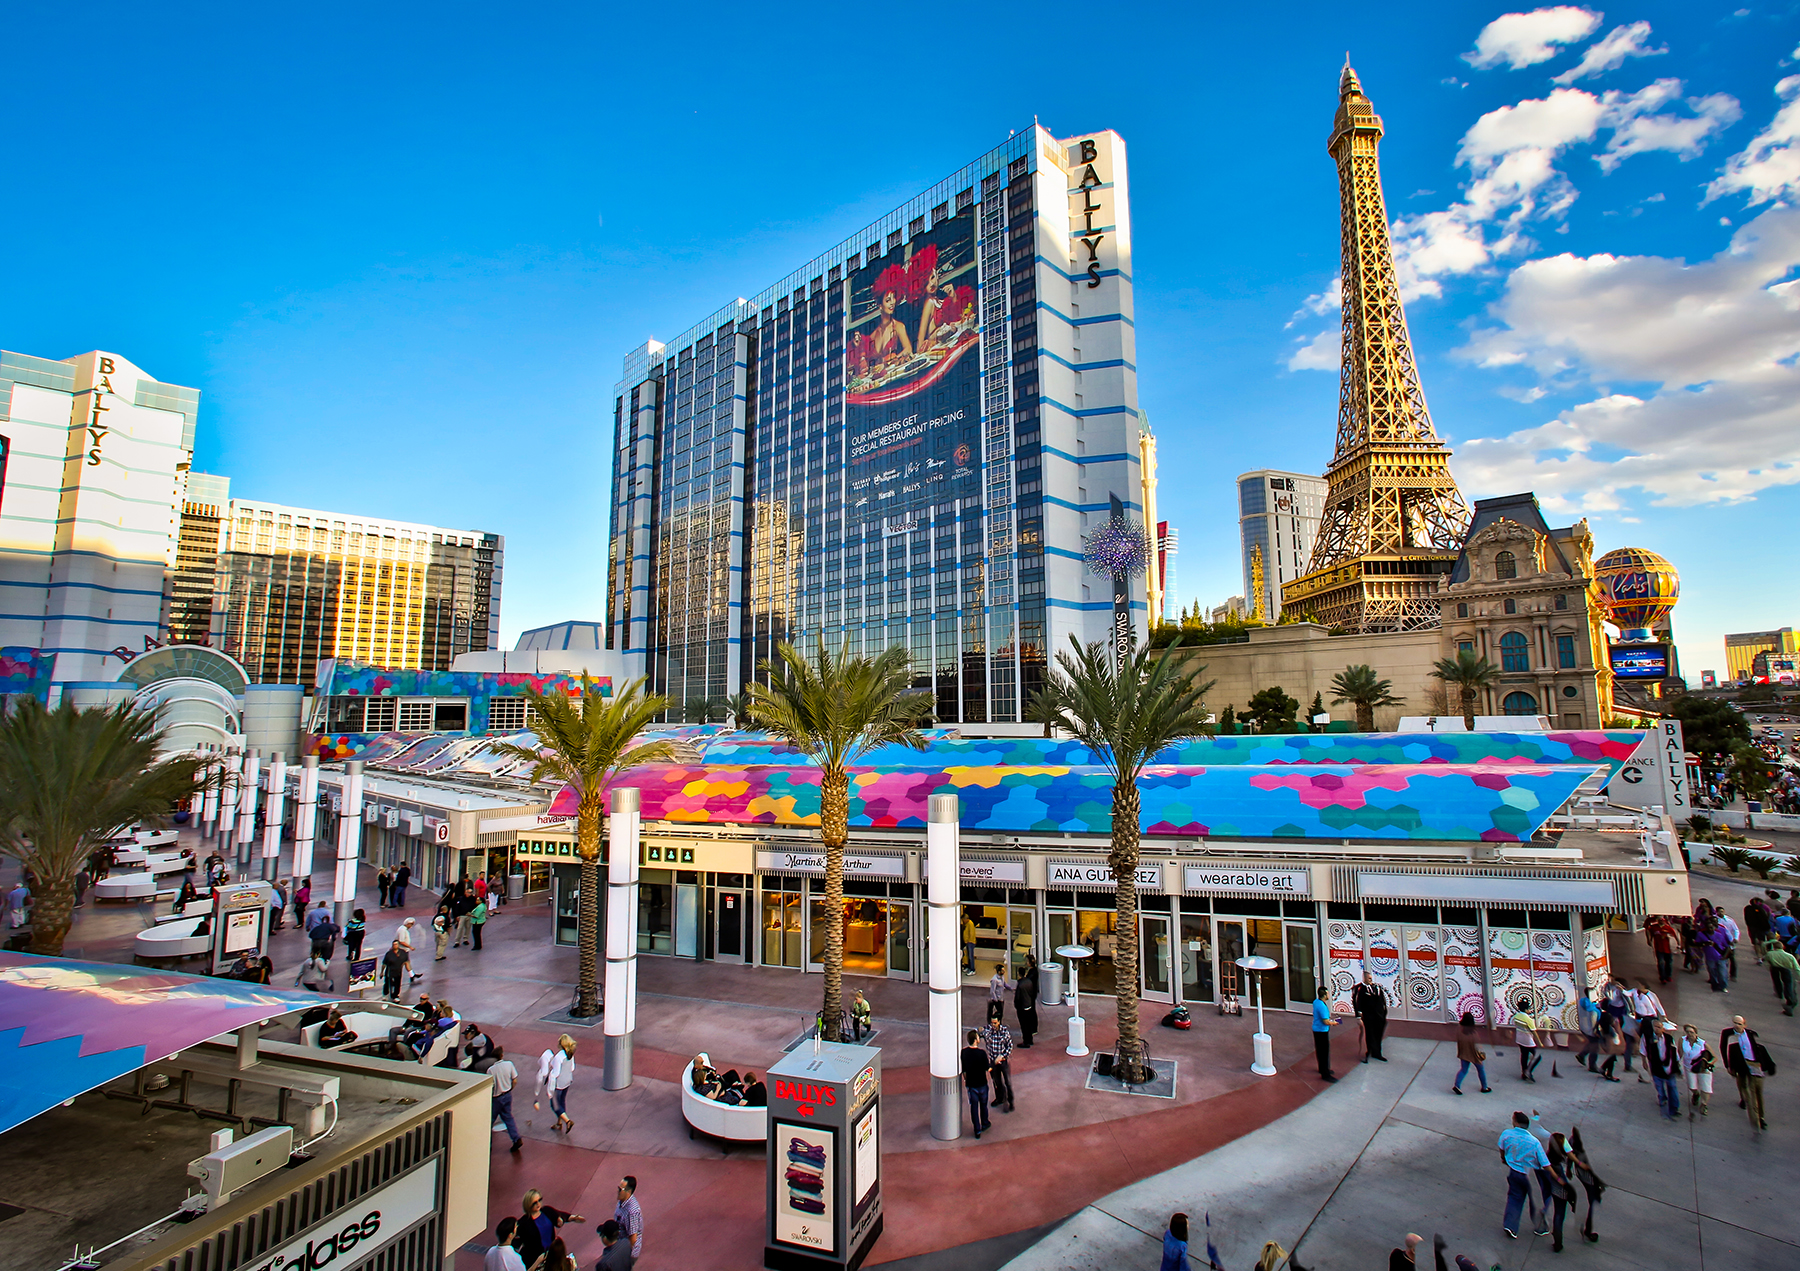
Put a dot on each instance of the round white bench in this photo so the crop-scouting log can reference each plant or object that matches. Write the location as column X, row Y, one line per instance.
column 171, row 940
column 136, row 885
column 720, row 1120
column 156, row 838
column 198, row 908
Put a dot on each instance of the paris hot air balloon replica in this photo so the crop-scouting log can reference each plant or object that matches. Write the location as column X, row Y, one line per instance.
column 1638, row 591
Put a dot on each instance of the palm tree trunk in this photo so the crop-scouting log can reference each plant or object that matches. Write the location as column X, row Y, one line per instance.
column 834, row 829
column 1124, row 862
column 587, row 982
column 1365, row 718
column 52, row 912
column 1468, row 705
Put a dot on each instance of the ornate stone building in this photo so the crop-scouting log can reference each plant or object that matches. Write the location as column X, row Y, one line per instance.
column 1522, row 595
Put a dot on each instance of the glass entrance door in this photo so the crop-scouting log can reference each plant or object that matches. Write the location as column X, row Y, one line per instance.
column 1231, row 948
column 1153, row 957
column 899, row 940
column 1196, row 958
column 1265, row 941
column 1302, row 962
column 1021, row 940
column 728, row 926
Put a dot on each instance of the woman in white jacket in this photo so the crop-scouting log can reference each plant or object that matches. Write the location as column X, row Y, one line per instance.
column 556, row 1071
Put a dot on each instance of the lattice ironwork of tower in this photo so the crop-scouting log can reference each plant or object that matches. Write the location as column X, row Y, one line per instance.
column 1394, row 519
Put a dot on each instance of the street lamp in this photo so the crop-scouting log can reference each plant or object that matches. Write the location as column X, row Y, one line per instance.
column 1073, row 954
column 1262, row 1049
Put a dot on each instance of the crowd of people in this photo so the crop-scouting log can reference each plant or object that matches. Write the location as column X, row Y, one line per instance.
column 534, row 1241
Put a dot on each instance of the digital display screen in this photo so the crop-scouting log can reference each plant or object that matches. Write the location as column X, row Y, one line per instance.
column 1640, row 661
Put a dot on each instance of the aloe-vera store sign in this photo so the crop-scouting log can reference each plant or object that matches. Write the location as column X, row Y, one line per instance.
column 361, row 1228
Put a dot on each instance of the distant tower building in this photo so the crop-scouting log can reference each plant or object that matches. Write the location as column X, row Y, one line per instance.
column 1168, row 541
column 191, row 582
column 1278, row 513
column 1394, row 520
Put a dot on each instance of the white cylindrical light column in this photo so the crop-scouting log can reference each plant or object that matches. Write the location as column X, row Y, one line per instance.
column 209, row 807
column 349, row 848
column 619, row 992
column 306, row 817
column 943, row 876
column 271, row 848
column 248, row 789
column 228, row 802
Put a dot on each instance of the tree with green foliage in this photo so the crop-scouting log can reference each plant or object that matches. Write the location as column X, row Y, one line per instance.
column 1041, row 709
column 1127, row 715
column 1272, row 711
column 705, row 710
column 836, row 708
column 71, row 779
column 585, row 741
column 1362, row 688
column 1227, row 720
column 737, row 709
column 1468, row 675
column 1751, row 772
column 1710, row 728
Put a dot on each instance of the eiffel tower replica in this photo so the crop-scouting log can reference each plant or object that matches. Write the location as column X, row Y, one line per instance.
column 1394, row 520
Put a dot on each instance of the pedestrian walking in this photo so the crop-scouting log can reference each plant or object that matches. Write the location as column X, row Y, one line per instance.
column 505, row 1076
column 504, row 1255
column 1025, row 1000
column 1661, row 937
column 975, row 1081
column 630, row 1216
column 1613, row 1043
column 1175, row 1244
column 997, row 988
column 540, row 1227
column 1406, row 1257
column 402, row 877
column 277, row 906
column 968, row 943
column 315, row 974
column 1616, row 1007
column 1587, row 1018
column 1369, row 1001
column 1469, row 1054
column 324, row 933
column 1748, row 1061
column 1646, row 1010
column 996, row 1039
column 355, row 931
column 1714, row 947
column 1664, row 1057
column 384, row 882
column 1526, row 1039
column 1591, row 1183
column 1563, row 1198
column 478, row 917
column 615, row 1255
column 1784, row 972
column 1731, row 931
column 1523, row 1156
column 18, row 900
column 556, row 1073
column 393, row 969
column 1321, row 1031
column 1697, row 1062
column 404, row 934
column 440, row 928
column 861, row 1014
column 302, row 898
column 462, row 904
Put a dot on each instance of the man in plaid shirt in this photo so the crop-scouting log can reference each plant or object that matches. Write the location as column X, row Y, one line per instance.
column 997, row 1040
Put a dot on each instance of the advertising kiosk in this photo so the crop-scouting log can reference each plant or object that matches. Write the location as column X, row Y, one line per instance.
column 240, row 923
column 824, row 1158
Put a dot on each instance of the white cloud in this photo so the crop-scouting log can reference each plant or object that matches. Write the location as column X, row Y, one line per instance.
column 1769, row 167
column 1638, row 129
column 1610, row 52
column 1566, row 115
column 1716, row 343
column 1321, row 353
column 1525, row 39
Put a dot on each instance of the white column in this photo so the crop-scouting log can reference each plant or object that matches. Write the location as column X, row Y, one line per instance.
column 306, row 817
column 228, row 802
column 209, row 813
column 619, row 995
column 943, row 878
column 247, row 792
column 271, row 849
column 343, row 892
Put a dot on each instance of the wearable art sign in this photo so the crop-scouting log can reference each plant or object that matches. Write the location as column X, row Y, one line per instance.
column 1238, row 880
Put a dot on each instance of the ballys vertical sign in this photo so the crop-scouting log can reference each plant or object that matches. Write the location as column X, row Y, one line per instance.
column 1088, row 189
column 97, row 431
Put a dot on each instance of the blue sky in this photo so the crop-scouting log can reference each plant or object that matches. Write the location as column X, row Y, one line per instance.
column 403, row 248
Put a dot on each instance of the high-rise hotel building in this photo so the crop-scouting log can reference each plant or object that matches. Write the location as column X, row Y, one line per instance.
column 902, row 442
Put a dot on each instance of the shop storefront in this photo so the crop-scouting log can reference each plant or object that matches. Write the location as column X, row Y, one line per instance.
column 877, row 918
column 1235, row 909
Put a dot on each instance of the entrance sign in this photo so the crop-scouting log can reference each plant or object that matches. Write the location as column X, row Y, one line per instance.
column 856, row 865
column 1247, row 880
column 1097, row 874
column 824, row 1153
column 991, row 871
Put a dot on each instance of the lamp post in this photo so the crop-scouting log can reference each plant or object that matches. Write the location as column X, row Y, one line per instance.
column 1262, row 1049
column 943, row 889
column 1073, row 954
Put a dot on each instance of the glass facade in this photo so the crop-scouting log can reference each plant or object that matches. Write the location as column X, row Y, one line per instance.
column 857, row 456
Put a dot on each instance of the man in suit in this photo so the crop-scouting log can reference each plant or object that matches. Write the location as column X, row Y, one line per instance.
column 1749, row 1061
column 1369, row 1001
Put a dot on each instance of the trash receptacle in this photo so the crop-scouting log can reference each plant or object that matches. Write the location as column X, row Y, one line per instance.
column 1050, row 983
column 515, row 886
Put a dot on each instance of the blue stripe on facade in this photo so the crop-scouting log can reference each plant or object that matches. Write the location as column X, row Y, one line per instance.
column 1054, row 312
column 1079, row 459
column 1071, row 277
column 1084, row 366
column 1088, row 414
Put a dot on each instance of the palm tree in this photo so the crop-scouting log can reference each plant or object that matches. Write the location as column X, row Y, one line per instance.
column 586, row 742
column 700, row 710
column 836, row 709
column 1359, row 684
column 1127, row 715
column 1041, row 709
column 737, row 706
column 1469, row 674
column 72, row 778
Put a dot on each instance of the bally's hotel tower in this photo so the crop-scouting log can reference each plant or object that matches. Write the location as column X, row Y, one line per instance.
column 902, row 442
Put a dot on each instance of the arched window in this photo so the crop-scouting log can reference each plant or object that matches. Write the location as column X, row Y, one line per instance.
column 1505, row 566
column 1519, row 704
column 1515, row 652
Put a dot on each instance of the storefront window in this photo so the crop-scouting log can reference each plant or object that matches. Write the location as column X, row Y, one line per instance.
column 1196, row 958
column 656, row 927
column 1098, row 930
column 781, row 928
column 568, row 906
column 537, row 875
column 865, row 936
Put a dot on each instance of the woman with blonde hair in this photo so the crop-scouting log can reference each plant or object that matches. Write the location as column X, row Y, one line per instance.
column 556, row 1072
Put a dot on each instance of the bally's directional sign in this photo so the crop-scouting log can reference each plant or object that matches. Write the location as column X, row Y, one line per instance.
column 824, row 1157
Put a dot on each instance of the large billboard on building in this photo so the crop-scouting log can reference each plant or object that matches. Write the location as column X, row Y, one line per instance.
column 1640, row 661
column 912, row 375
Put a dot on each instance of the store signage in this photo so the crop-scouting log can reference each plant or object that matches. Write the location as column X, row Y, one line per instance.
column 96, row 430
column 1087, row 187
column 364, row 1226
column 855, row 865
column 439, row 829
column 1240, row 880
column 1087, row 874
column 991, row 871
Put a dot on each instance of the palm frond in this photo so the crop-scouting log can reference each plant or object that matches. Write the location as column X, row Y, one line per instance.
column 1126, row 714
column 838, row 706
